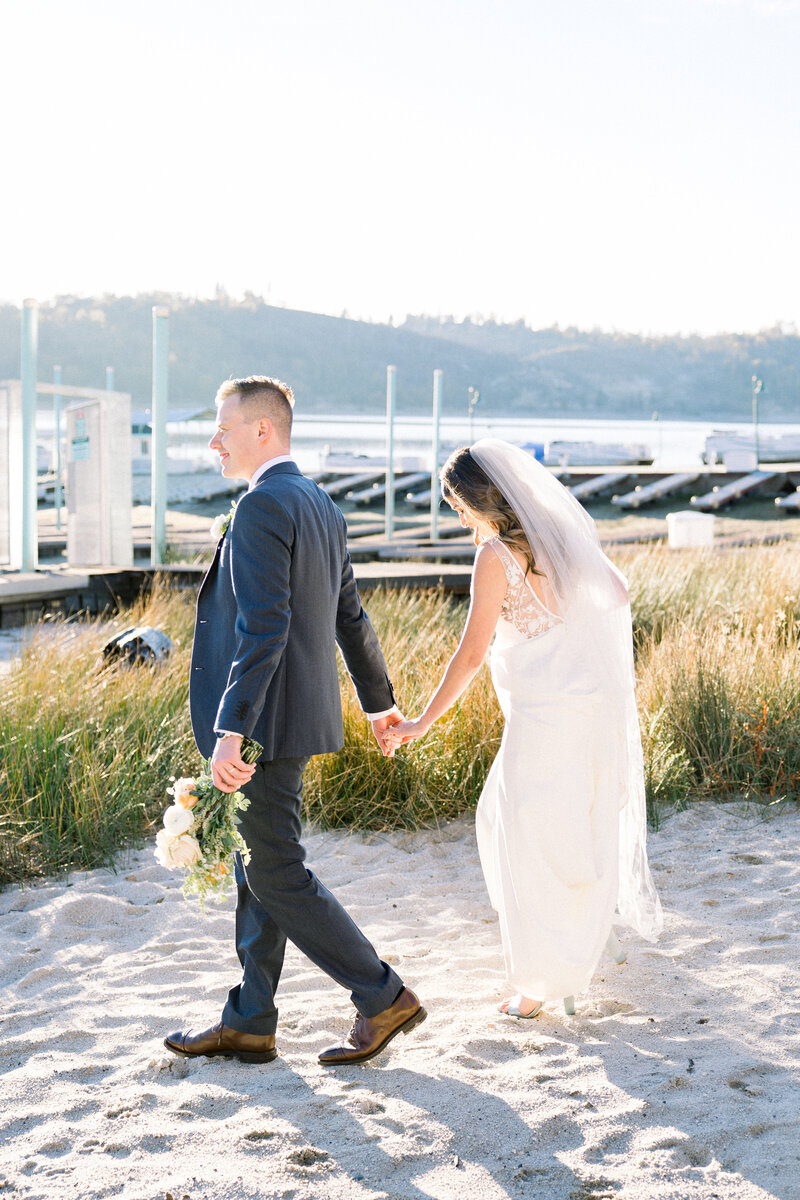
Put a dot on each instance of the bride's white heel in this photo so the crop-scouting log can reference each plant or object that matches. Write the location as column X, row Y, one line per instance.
column 615, row 950
column 511, row 1008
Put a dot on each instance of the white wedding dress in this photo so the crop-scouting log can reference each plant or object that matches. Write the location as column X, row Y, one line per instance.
column 557, row 823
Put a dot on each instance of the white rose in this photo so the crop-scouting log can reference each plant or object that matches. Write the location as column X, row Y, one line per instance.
column 180, row 851
column 177, row 820
column 162, row 847
column 219, row 525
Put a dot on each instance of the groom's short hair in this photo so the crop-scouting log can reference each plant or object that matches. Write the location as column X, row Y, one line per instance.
column 261, row 396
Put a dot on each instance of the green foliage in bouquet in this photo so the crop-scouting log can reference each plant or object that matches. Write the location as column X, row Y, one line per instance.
column 201, row 833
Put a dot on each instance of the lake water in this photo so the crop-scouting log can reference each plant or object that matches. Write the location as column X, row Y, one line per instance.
column 672, row 444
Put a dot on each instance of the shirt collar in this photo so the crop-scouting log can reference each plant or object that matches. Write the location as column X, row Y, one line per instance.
column 262, row 470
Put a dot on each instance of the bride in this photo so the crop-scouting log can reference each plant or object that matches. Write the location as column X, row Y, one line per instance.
column 561, row 819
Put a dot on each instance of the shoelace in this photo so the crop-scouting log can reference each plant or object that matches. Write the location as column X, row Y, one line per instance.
column 351, row 1035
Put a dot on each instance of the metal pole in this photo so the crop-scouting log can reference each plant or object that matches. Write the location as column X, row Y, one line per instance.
column 758, row 385
column 473, row 397
column 28, row 374
column 158, row 443
column 391, row 396
column 59, row 492
column 437, row 413
column 109, row 379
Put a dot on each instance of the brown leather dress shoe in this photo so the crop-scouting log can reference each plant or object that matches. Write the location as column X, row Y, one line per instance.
column 370, row 1035
column 222, row 1041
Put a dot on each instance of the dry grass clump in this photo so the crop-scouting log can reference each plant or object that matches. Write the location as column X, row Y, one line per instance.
column 738, row 588
column 719, row 677
column 88, row 752
column 441, row 777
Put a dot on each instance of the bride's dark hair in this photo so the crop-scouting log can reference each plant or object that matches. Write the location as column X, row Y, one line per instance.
column 468, row 485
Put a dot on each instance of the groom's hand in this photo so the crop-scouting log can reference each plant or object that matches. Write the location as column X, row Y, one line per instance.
column 380, row 726
column 228, row 770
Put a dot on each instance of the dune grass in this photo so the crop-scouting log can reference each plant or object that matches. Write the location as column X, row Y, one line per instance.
column 88, row 752
column 441, row 776
column 717, row 640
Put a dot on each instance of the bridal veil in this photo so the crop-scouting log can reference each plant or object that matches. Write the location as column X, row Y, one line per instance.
column 592, row 599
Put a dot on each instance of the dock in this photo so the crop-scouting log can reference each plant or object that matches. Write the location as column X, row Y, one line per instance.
column 26, row 597
column 371, row 495
column 728, row 493
column 340, row 487
column 600, row 485
column 649, row 493
column 411, row 559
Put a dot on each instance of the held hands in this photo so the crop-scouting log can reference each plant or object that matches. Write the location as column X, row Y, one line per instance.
column 402, row 732
column 228, row 770
column 381, row 727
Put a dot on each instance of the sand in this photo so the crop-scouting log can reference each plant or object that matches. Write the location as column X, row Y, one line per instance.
column 677, row 1077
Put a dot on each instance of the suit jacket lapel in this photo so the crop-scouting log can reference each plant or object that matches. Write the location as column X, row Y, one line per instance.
column 213, row 567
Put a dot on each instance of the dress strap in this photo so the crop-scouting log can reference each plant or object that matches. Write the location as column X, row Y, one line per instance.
column 506, row 558
column 504, row 554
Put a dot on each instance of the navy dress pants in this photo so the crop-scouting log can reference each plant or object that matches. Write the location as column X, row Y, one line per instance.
column 279, row 898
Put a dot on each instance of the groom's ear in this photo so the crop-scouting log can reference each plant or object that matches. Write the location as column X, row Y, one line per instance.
column 265, row 428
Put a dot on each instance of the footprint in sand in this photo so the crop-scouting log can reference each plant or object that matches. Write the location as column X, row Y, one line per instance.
column 616, row 1142
column 608, row 1008
column 46, row 974
column 308, row 1156
column 57, row 1146
column 90, row 912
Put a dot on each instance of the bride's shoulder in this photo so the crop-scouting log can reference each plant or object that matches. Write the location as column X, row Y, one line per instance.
column 494, row 550
column 489, row 564
column 490, row 549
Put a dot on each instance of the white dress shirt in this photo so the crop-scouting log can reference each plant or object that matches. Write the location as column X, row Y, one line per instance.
column 265, row 466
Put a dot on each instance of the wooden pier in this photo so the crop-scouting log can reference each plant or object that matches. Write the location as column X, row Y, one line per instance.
column 411, row 559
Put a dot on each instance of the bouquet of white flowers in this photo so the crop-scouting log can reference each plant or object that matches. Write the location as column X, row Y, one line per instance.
column 200, row 833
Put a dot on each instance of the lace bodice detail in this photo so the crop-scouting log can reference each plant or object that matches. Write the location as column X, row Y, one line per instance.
column 522, row 608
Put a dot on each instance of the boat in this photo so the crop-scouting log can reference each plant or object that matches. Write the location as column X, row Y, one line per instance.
column 732, row 447
column 345, row 460
column 591, row 454
column 179, row 463
column 141, row 464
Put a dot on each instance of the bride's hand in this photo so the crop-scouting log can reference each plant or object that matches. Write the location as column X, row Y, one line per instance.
column 406, row 731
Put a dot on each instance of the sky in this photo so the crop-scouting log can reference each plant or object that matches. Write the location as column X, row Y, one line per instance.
column 628, row 165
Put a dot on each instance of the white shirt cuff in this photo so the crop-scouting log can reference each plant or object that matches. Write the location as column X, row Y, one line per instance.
column 385, row 713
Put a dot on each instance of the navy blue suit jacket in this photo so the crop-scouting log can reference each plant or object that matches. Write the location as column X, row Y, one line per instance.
column 276, row 600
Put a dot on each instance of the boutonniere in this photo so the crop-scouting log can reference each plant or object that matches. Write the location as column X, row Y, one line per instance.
column 221, row 523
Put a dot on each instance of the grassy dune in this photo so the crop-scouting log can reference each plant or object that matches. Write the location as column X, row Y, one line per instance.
column 719, row 677
column 88, row 751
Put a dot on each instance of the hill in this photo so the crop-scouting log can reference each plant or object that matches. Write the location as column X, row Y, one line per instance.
column 339, row 365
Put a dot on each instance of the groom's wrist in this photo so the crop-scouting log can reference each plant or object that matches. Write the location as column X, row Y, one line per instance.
column 226, row 733
column 387, row 712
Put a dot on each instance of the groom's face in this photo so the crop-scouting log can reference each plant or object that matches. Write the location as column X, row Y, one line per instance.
column 236, row 441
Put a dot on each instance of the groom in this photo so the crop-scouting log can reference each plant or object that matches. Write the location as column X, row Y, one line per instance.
column 278, row 597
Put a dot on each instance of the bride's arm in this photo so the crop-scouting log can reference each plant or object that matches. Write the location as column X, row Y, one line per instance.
column 487, row 592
